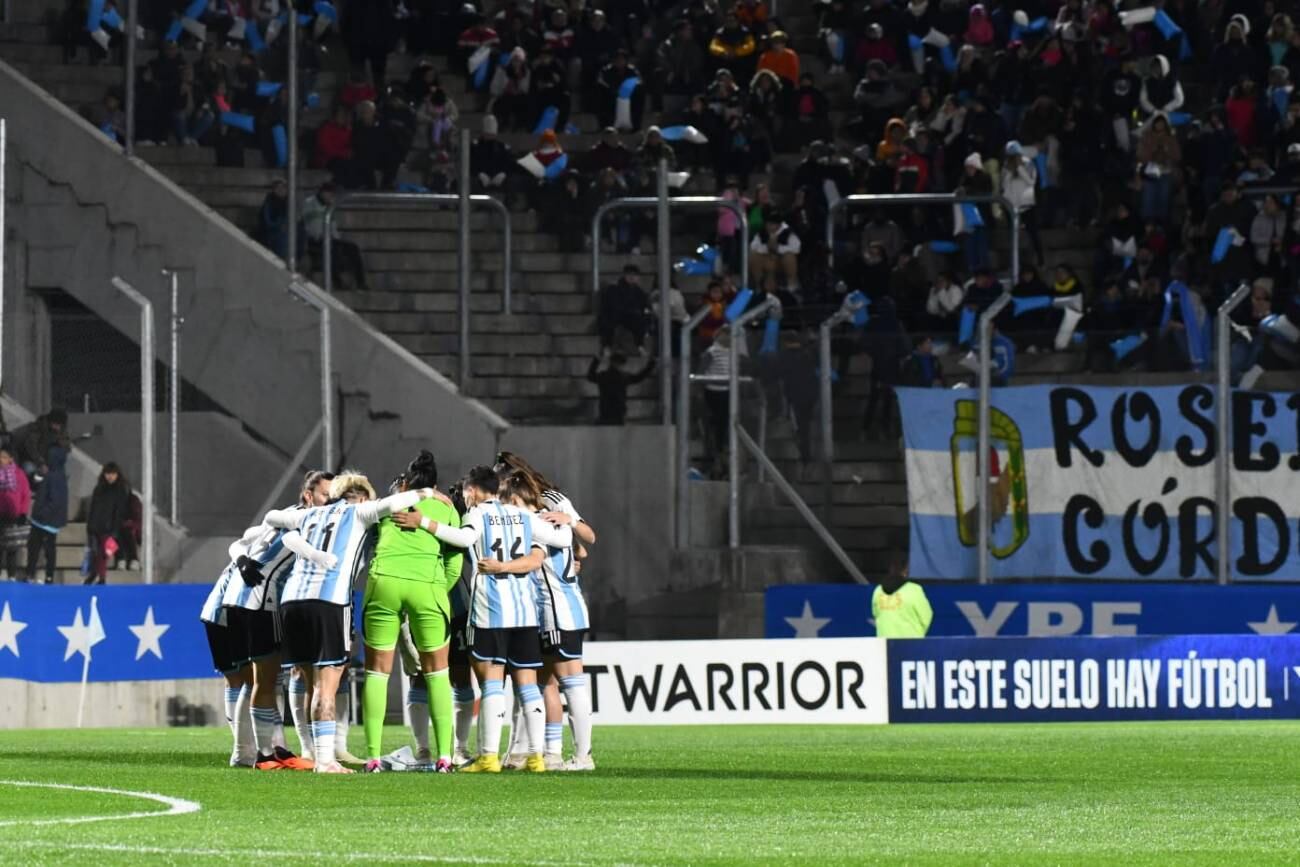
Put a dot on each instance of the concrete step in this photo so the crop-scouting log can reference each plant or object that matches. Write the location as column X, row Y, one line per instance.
column 484, row 324
column 447, row 302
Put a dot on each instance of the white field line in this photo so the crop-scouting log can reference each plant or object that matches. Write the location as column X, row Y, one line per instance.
column 299, row 855
column 175, row 806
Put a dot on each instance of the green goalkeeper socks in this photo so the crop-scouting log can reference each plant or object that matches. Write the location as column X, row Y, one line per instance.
column 441, row 711
column 374, row 706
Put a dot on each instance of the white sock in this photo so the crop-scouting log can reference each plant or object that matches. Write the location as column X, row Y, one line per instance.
column 244, row 722
column 301, row 715
column 554, row 738
column 577, row 695
column 277, row 736
column 463, row 697
column 232, row 703
column 417, row 711
column 491, row 716
column 534, row 712
column 322, row 734
column 342, row 718
column 516, row 743
column 265, row 720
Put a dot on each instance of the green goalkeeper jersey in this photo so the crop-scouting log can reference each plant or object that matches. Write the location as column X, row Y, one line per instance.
column 416, row 554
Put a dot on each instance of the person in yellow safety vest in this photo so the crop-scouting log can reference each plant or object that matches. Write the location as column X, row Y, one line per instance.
column 899, row 606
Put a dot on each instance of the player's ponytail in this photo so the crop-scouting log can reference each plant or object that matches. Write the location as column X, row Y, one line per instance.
column 422, row 472
column 510, row 461
column 521, row 487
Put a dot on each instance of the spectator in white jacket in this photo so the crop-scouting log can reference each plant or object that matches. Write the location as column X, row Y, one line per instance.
column 943, row 304
column 775, row 251
column 1019, row 182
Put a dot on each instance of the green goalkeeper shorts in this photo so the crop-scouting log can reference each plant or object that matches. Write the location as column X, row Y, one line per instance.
column 425, row 605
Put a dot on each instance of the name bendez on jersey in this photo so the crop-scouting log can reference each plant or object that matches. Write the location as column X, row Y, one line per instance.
column 507, row 520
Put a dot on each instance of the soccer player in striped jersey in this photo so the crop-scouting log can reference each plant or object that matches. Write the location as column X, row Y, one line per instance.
column 565, row 621
column 244, row 641
column 503, row 610
column 316, row 603
column 408, row 577
column 238, row 675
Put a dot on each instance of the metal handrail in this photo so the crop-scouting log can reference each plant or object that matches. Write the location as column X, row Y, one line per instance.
column 414, row 200
column 665, row 382
column 147, row 442
column 690, row 202
column 305, row 295
column 983, row 462
column 174, row 393
column 800, row 506
column 1222, row 475
column 827, row 411
column 733, row 410
column 683, row 457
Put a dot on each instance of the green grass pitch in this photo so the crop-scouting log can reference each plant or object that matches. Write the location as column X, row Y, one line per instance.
column 1126, row 793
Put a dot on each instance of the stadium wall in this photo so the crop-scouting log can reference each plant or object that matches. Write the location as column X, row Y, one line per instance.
column 82, row 212
column 618, row 479
column 142, row 704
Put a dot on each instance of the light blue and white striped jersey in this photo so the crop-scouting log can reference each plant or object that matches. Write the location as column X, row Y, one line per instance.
column 505, row 533
column 338, row 529
column 265, row 546
column 213, row 611
column 560, row 598
column 563, row 607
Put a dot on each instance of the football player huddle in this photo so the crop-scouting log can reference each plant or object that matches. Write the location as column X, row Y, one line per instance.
column 472, row 586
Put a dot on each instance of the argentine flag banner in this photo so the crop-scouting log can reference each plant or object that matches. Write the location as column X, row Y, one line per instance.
column 1107, row 483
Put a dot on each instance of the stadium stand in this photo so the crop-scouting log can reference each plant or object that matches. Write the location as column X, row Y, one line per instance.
column 892, row 91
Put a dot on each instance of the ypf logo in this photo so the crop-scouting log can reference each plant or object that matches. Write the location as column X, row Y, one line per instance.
column 1007, row 488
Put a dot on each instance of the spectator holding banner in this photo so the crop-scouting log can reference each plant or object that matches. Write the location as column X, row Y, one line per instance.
column 899, row 606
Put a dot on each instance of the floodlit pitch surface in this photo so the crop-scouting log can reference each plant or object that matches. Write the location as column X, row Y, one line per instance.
column 1131, row 793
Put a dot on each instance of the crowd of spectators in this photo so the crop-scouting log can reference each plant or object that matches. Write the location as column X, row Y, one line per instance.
column 34, row 506
column 1145, row 131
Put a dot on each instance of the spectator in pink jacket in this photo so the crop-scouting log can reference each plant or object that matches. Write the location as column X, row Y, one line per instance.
column 15, row 503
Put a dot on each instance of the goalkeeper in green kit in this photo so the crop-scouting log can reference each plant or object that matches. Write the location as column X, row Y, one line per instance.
column 411, row 573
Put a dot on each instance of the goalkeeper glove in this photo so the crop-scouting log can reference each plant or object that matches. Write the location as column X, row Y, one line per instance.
column 249, row 572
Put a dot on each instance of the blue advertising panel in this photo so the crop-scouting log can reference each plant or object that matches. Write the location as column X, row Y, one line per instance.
column 1073, row 679
column 991, row 610
column 1101, row 483
column 129, row 633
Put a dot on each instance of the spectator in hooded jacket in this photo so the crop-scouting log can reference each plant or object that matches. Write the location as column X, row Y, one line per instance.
column 108, row 519
column 1235, row 58
column 49, row 513
column 15, row 503
column 1161, row 91
column 32, row 441
column 1019, row 182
